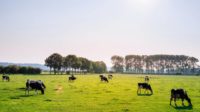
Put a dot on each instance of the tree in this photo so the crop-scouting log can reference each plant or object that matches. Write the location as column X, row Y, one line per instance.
column 69, row 62
column 85, row 64
column 13, row 69
column 118, row 63
column 23, row 70
column 49, row 62
column 77, row 64
column 160, row 64
column 1, row 69
column 54, row 61
column 99, row 67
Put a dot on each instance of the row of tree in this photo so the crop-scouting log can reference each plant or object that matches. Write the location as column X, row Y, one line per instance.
column 159, row 64
column 72, row 63
column 14, row 69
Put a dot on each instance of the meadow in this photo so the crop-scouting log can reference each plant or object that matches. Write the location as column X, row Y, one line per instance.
column 88, row 94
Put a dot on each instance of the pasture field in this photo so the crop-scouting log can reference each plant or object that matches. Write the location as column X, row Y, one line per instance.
column 88, row 94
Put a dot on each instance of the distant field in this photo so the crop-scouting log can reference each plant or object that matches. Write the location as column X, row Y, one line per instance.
column 88, row 94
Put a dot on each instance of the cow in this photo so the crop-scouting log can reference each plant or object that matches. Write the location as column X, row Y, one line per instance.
column 103, row 78
column 145, row 86
column 72, row 78
column 110, row 76
column 146, row 79
column 179, row 94
column 35, row 84
column 6, row 78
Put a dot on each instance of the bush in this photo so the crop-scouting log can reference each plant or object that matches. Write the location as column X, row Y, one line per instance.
column 178, row 73
column 14, row 69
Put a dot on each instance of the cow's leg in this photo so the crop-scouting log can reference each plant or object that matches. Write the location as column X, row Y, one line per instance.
column 171, row 100
column 182, row 101
column 137, row 90
column 36, row 92
column 27, row 90
column 175, row 101
column 42, row 91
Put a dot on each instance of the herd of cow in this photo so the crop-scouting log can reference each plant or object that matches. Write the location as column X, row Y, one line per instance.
column 175, row 93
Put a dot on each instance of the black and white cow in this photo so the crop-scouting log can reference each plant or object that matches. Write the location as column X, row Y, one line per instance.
column 72, row 78
column 179, row 94
column 146, row 79
column 5, row 78
column 145, row 86
column 103, row 78
column 37, row 85
column 110, row 76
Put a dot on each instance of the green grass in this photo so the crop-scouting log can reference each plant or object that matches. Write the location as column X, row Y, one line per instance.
column 88, row 94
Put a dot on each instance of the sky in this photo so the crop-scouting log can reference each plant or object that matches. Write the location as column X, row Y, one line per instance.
column 31, row 30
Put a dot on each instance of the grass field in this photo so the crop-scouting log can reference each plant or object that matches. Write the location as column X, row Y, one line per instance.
column 88, row 94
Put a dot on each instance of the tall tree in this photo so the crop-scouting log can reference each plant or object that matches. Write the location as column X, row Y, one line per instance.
column 118, row 63
column 77, row 64
column 69, row 62
column 54, row 61
column 85, row 64
column 99, row 67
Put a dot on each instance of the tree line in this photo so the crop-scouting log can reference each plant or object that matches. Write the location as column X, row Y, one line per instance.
column 14, row 69
column 73, row 64
column 155, row 64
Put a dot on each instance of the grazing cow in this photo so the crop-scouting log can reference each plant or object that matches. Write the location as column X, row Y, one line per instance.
column 37, row 85
column 103, row 78
column 145, row 86
column 6, row 78
column 72, row 78
column 110, row 76
column 179, row 94
column 146, row 79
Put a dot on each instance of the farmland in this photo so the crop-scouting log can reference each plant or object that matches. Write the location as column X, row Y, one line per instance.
column 88, row 94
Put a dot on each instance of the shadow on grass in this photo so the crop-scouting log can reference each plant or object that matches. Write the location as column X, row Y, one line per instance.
column 22, row 89
column 144, row 94
column 183, row 107
column 14, row 97
column 20, row 96
column 48, row 100
column 26, row 95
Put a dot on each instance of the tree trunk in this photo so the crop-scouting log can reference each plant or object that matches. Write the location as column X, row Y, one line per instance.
column 54, row 71
column 50, row 70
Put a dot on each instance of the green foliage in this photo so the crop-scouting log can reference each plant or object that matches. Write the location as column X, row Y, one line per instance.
column 118, row 63
column 54, row 61
column 99, row 67
column 88, row 94
column 14, row 69
column 155, row 64
column 72, row 63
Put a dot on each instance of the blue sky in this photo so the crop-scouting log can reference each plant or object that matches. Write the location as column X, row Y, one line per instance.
column 31, row 30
